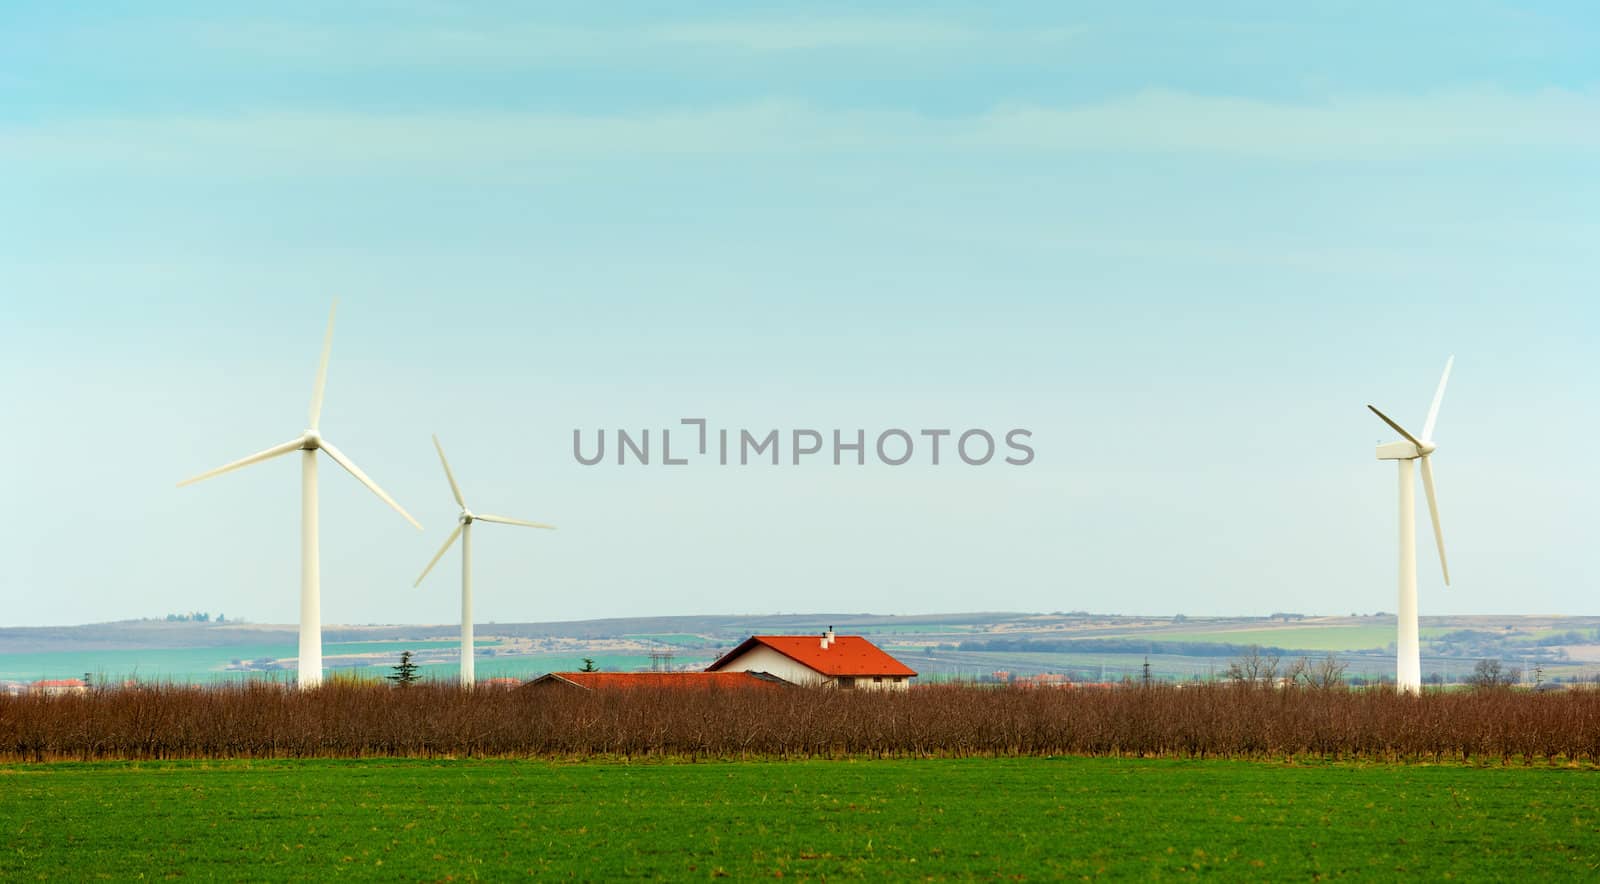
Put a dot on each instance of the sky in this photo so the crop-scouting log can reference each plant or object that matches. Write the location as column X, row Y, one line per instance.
column 1183, row 247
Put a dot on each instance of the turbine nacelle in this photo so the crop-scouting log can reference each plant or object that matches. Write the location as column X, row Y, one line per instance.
column 1400, row 449
column 311, row 441
column 467, row 517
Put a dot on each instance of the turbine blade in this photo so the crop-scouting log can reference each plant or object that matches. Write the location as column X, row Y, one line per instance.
column 438, row 555
column 322, row 368
column 1433, row 510
column 341, row 460
column 454, row 488
column 505, row 521
column 1397, row 428
column 270, row 453
column 1438, row 396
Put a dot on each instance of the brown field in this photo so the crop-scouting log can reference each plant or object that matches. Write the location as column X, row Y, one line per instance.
column 344, row 719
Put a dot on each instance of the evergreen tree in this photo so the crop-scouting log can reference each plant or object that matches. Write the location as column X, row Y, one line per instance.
column 588, row 665
column 406, row 672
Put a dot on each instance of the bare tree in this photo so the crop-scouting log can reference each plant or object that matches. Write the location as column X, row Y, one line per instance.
column 1324, row 674
column 1490, row 674
column 1253, row 667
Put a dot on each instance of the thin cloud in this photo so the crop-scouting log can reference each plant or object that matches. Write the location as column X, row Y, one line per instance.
column 525, row 45
column 1163, row 121
column 770, row 36
column 1151, row 122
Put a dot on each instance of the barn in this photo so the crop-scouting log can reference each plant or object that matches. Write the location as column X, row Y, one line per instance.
column 848, row 662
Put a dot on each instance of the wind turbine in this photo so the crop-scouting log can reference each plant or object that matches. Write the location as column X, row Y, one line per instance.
column 1407, row 451
column 308, row 444
column 464, row 531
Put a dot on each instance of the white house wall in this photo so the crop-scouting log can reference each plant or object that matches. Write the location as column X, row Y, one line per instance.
column 865, row 683
column 764, row 659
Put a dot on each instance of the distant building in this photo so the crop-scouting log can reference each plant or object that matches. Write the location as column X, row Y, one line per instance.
column 849, row 662
column 53, row 686
column 500, row 682
column 1042, row 680
column 702, row 681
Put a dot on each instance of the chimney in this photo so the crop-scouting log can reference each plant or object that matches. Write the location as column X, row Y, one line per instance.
column 827, row 638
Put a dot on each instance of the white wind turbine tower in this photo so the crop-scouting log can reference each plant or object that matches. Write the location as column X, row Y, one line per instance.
column 464, row 531
column 1407, row 451
column 308, row 444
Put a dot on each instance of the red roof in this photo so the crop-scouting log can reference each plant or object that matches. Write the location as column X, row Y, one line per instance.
column 849, row 655
column 695, row 680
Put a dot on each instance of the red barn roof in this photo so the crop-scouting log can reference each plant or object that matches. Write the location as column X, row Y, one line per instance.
column 690, row 680
column 848, row 655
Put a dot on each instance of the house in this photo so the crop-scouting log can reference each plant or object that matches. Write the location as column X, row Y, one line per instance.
column 500, row 682
column 54, row 686
column 702, row 681
column 844, row 661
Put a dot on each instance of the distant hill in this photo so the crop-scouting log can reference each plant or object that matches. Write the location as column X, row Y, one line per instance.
column 1078, row 645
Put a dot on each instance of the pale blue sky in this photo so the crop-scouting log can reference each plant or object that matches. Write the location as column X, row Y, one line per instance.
column 1185, row 249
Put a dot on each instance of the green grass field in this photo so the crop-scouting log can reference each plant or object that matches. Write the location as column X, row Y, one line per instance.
column 1304, row 638
column 1031, row 818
